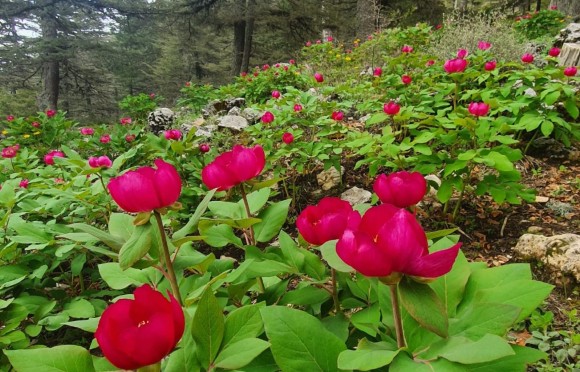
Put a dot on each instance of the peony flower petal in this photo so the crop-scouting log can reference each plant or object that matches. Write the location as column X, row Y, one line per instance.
column 435, row 264
column 359, row 251
column 134, row 191
column 167, row 183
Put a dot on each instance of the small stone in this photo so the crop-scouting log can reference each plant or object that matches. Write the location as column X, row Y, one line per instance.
column 206, row 131
column 535, row 229
column 356, row 196
column 251, row 115
column 330, row 178
column 235, row 111
column 236, row 123
column 542, row 199
column 160, row 120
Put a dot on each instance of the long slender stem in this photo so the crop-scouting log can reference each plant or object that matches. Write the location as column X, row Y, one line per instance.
column 335, row 291
column 103, row 183
column 248, row 213
column 167, row 258
column 461, row 193
column 397, row 316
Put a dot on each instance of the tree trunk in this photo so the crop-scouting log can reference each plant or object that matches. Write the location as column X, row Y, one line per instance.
column 51, row 64
column 239, row 38
column 365, row 18
column 569, row 7
column 538, row 5
column 249, row 33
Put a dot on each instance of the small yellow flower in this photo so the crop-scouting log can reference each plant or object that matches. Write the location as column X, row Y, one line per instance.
column 4, row 132
column 36, row 133
column 338, row 56
column 26, row 135
column 347, row 59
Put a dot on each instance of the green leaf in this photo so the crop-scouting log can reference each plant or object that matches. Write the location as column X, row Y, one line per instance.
column 226, row 209
column 191, row 225
column 290, row 251
column 487, row 348
column 551, row 98
column 241, row 353
column 424, row 306
column 367, row 356
column 329, row 255
column 208, row 329
column 117, row 278
column 88, row 325
column 136, row 247
column 299, row 342
column 445, row 190
column 440, row 233
column 256, row 200
column 121, row 225
column 484, row 318
column 242, row 323
column 450, row 287
column 518, row 362
column 308, row 295
column 273, row 218
column 367, row 319
column 454, row 167
column 404, row 363
column 547, row 127
column 79, row 308
column 572, row 108
column 377, row 118
column 220, row 236
column 64, row 358
column 110, row 240
column 499, row 161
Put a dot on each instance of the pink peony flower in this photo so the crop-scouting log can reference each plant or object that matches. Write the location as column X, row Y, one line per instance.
column 490, row 66
column 105, row 138
column 391, row 108
column 483, row 45
column 478, row 108
column 462, row 53
column 570, row 71
column 287, row 138
column 407, row 49
column 318, row 77
column 455, row 65
column 527, row 58
column 268, row 117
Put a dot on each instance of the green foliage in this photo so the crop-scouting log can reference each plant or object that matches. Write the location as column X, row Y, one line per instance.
column 138, row 106
column 545, row 23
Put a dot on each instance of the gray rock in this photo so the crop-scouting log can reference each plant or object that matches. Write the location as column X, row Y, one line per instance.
column 235, row 111
column 188, row 126
column 330, row 178
column 251, row 115
column 570, row 34
column 160, row 120
column 356, row 195
column 236, row 123
column 205, row 131
column 535, row 230
column 560, row 254
column 221, row 107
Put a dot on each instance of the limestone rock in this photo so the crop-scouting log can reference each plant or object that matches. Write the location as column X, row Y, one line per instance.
column 356, row 195
column 236, row 123
column 560, row 254
column 205, row 131
column 160, row 120
column 235, row 111
column 570, row 34
column 221, row 107
column 330, row 178
column 570, row 55
column 188, row 126
column 251, row 115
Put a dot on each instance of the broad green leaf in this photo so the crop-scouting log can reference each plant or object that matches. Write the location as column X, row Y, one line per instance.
column 64, row 358
column 404, row 363
column 313, row 266
column 551, row 98
column 121, row 225
column 220, row 236
column 523, row 357
column 110, row 240
column 239, row 354
column 329, row 254
column 377, row 118
column 191, row 225
column 367, row 356
column 226, row 209
column 424, row 306
column 487, row 348
column 450, row 287
column 242, row 323
column 208, row 328
column 290, row 251
column 484, row 318
column 499, row 161
column 299, row 342
column 308, row 295
column 572, row 108
column 79, row 308
column 547, row 128
column 273, row 218
column 256, row 200
column 445, row 191
column 88, row 325
column 117, row 278
column 136, row 247
column 185, row 358
column 367, row 319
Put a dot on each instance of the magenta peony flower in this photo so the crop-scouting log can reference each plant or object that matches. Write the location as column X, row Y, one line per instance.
column 391, row 108
column 234, row 167
column 268, row 117
column 325, row 221
column 401, row 189
column 146, row 189
column 287, row 138
column 478, row 108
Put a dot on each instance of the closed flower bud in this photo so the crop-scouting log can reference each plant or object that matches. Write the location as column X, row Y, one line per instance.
column 268, row 117
column 287, row 138
column 570, row 71
column 490, row 66
column 478, row 108
column 391, row 108
column 318, row 77
column 234, row 167
column 527, row 58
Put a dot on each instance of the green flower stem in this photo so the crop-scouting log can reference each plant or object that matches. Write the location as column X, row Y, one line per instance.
column 151, row 368
column 461, row 193
column 397, row 316
column 103, row 183
column 167, row 258
column 248, row 213
column 252, row 235
column 335, row 292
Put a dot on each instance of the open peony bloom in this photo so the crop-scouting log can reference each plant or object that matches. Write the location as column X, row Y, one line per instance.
column 268, row 117
column 462, row 53
column 49, row 158
column 478, row 108
column 325, row 221
column 377, row 72
column 570, row 71
column 100, row 162
column 276, row 94
column 126, row 120
column 455, row 65
column 10, row 151
column 406, row 79
column 406, row 49
column 146, row 188
column 172, row 134
column 391, row 108
column 86, row 131
column 50, row 113
column 234, row 167
column 140, row 332
column 389, row 240
column 105, row 138
column 483, row 45
column 337, row 115
column 401, row 189
column 527, row 58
